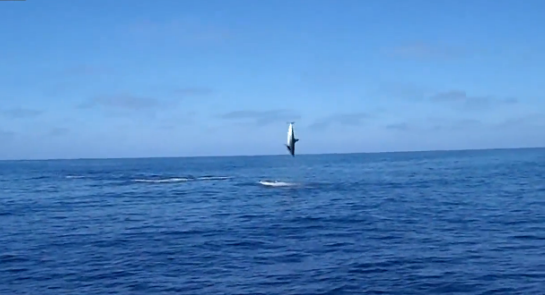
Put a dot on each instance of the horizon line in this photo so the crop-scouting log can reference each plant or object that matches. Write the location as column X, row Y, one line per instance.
column 272, row 155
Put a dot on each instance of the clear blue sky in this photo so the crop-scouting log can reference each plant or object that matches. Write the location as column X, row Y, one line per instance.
column 182, row 78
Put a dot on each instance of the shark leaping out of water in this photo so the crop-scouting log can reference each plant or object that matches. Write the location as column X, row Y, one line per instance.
column 291, row 140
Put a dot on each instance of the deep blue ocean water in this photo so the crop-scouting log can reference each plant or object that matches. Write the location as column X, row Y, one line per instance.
column 465, row 222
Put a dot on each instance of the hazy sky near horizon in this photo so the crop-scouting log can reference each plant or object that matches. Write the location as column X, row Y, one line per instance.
column 181, row 78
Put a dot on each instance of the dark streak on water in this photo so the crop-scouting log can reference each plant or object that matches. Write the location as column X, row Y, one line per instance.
column 407, row 223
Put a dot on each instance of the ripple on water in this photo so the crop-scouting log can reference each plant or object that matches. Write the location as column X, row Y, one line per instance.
column 407, row 223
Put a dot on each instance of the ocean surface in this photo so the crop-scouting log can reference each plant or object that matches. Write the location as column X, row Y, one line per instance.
column 464, row 222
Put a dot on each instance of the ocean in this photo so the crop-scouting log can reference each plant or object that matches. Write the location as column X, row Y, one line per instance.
column 453, row 222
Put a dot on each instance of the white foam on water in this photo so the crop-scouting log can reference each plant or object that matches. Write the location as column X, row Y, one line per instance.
column 276, row 183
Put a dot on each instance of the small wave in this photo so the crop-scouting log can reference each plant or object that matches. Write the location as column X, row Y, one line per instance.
column 276, row 183
column 214, row 178
column 74, row 176
column 165, row 180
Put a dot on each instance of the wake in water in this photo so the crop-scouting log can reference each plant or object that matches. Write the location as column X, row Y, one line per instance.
column 157, row 178
column 181, row 179
column 165, row 180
